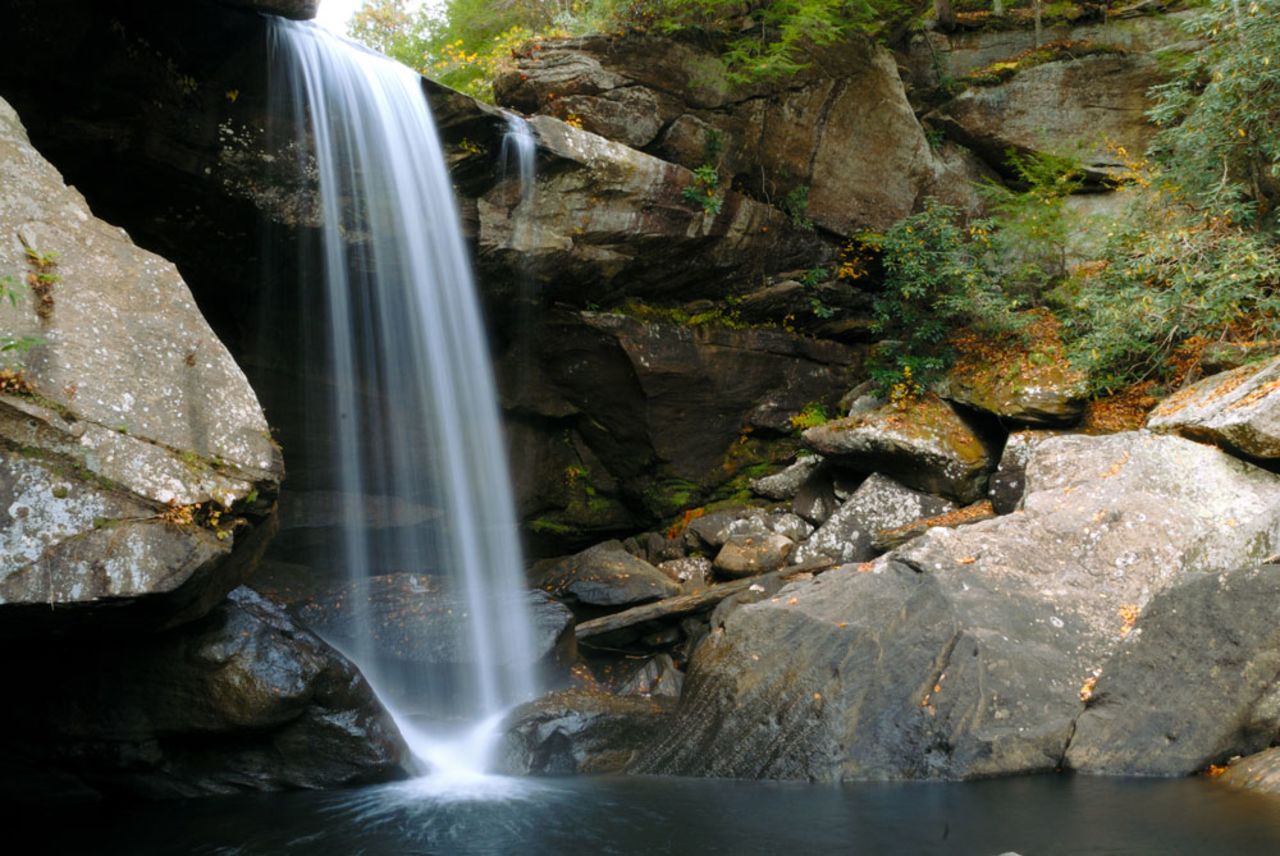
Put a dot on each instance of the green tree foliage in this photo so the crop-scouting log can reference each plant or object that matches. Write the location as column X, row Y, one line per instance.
column 463, row 43
column 1220, row 116
column 1030, row 241
column 937, row 279
column 1199, row 256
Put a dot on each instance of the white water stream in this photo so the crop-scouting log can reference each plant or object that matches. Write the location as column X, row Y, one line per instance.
column 413, row 400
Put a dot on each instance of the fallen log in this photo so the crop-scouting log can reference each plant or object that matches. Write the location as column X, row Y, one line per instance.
column 687, row 604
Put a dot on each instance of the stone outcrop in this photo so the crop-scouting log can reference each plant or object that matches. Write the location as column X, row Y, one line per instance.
column 966, row 653
column 1238, row 410
column 1078, row 109
column 843, row 128
column 656, row 409
column 925, row 445
column 1193, row 684
column 137, row 472
column 1257, row 772
column 606, row 221
column 242, row 700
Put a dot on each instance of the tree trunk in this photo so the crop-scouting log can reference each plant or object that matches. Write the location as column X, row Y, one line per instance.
column 945, row 14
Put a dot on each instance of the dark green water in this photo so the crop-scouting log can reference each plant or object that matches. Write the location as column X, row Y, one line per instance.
column 1038, row 815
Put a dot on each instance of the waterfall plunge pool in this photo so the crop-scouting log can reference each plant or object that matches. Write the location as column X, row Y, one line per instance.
column 1033, row 816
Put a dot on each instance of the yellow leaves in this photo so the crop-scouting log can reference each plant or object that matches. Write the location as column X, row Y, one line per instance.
column 967, row 560
column 1086, row 689
column 233, row 95
column 1129, row 615
column 1241, row 132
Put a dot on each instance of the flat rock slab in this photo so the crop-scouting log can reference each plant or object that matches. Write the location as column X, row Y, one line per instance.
column 924, row 445
column 964, row 653
column 1238, row 410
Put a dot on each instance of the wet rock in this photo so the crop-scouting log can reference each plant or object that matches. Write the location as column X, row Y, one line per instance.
column 241, row 700
column 138, row 479
column 786, row 484
column 606, row 575
column 751, row 555
column 657, row 678
column 879, row 503
column 1238, row 410
column 1193, row 684
column 1257, row 772
column 963, row 654
column 708, row 532
column 1045, row 107
column 579, row 731
column 410, row 618
column 925, row 446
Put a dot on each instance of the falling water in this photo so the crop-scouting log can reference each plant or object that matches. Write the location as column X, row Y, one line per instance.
column 412, row 398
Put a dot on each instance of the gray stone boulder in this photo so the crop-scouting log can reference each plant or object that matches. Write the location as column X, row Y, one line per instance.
column 964, row 654
column 1193, row 684
column 657, row 678
column 241, row 700
column 786, row 484
column 878, row 503
column 750, row 555
column 925, row 446
column 1238, row 410
column 579, row 731
column 1072, row 108
column 138, row 474
column 606, row 575
column 693, row 572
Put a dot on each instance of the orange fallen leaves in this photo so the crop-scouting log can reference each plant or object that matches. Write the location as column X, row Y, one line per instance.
column 1129, row 614
column 1087, row 688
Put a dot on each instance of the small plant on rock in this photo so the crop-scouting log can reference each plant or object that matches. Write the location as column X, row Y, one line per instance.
column 706, row 181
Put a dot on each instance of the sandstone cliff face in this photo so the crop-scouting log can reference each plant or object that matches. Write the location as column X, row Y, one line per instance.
column 843, row 129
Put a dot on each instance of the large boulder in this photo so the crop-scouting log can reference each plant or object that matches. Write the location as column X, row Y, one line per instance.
column 1080, row 109
column 579, row 731
column 1193, row 684
column 878, row 503
column 137, row 472
column 242, row 700
column 925, row 445
column 1238, row 410
column 1257, row 772
column 842, row 128
column 606, row 575
column 966, row 652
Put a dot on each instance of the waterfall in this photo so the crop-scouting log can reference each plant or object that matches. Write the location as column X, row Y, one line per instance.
column 409, row 389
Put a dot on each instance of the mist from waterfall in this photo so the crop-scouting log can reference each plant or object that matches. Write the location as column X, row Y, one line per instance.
column 409, row 389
